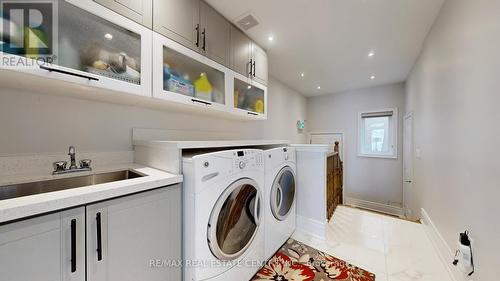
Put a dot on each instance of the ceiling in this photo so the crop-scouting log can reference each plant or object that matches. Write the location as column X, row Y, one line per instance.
column 329, row 40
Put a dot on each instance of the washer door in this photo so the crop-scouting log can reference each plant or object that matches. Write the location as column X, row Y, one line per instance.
column 283, row 193
column 235, row 220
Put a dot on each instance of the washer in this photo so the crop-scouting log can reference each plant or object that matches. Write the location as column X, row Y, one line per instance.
column 223, row 229
column 280, row 197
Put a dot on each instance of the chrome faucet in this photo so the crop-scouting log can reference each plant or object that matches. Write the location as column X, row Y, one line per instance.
column 60, row 166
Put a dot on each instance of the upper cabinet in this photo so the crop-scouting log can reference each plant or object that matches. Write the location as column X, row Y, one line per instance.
column 140, row 11
column 194, row 24
column 215, row 35
column 240, row 51
column 259, row 64
column 178, row 20
column 96, row 47
column 248, row 58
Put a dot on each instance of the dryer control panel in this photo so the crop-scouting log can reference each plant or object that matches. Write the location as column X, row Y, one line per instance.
column 245, row 159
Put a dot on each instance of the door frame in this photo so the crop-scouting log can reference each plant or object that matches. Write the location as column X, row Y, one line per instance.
column 409, row 115
column 342, row 148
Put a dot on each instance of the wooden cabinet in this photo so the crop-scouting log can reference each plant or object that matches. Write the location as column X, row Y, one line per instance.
column 178, row 20
column 46, row 248
column 215, row 34
column 259, row 64
column 114, row 240
column 124, row 235
column 140, row 11
column 240, row 52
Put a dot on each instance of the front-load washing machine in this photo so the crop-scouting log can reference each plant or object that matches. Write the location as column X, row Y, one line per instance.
column 223, row 228
column 280, row 197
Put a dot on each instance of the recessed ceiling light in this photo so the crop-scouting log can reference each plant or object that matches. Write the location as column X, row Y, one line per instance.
column 270, row 38
column 372, row 77
column 108, row 36
column 302, row 74
column 319, row 87
column 371, row 54
column 249, row 87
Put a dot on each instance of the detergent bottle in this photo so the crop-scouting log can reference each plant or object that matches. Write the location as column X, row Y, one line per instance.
column 203, row 88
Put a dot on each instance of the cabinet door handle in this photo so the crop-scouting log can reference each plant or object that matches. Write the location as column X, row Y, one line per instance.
column 251, row 66
column 202, row 102
column 99, row 238
column 197, row 35
column 51, row 69
column 254, row 68
column 252, row 113
column 204, row 34
column 73, row 245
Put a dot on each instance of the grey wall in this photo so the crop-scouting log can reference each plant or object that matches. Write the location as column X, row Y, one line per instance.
column 454, row 94
column 372, row 179
column 32, row 123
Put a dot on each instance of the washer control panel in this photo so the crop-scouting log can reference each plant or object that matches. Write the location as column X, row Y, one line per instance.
column 247, row 159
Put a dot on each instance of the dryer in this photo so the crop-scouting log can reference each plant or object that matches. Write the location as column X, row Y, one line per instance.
column 223, row 228
column 280, row 197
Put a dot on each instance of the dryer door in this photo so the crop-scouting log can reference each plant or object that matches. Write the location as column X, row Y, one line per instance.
column 235, row 220
column 283, row 193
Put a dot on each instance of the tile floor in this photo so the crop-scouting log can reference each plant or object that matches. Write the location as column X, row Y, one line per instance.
column 393, row 249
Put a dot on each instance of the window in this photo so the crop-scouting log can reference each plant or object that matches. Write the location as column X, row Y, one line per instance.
column 377, row 133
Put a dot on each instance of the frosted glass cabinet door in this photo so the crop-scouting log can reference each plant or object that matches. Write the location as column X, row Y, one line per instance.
column 124, row 235
column 46, row 248
column 249, row 97
column 97, row 47
column 183, row 75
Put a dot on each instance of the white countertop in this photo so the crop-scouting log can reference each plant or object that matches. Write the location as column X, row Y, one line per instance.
column 209, row 144
column 16, row 208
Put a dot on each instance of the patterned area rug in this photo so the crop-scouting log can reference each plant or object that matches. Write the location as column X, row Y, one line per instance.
column 298, row 262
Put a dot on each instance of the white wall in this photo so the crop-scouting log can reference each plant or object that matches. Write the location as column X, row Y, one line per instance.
column 454, row 91
column 371, row 179
column 31, row 123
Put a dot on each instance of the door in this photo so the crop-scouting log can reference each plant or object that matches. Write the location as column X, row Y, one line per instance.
column 240, row 51
column 235, row 220
column 283, row 194
column 214, row 35
column 140, row 11
column 45, row 248
column 125, row 234
column 408, row 164
column 329, row 139
column 178, row 20
column 260, row 70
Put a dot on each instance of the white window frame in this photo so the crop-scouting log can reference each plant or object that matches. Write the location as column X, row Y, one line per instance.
column 393, row 133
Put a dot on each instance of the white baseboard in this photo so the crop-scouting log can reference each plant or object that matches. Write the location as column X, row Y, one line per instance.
column 311, row 227
column 444, row 251
column 374, row 206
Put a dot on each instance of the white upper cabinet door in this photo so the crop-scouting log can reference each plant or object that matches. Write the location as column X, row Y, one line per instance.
column 240, row 52
column 124, row 235
column 215, row 42
column 140, row 11
column 46, row 248
column 178, row 20
column 96, row 47
column 260, row 65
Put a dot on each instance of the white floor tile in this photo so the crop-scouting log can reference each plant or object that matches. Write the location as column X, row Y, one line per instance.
column 392, row 249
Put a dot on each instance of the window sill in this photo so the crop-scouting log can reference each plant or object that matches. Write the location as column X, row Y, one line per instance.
column 383, row 156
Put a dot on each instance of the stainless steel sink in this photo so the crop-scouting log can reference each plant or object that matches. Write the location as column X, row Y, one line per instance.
column 32, row 188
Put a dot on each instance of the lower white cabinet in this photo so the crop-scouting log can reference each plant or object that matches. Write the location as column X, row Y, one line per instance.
column 120, row 238
column 125, row 235
column 46, row 248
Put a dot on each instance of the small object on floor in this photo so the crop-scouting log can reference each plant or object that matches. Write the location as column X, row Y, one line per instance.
column 296, row 261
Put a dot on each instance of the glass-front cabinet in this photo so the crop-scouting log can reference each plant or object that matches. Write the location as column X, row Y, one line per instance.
column 184, row 76
column 92, row 45
column 249, row 97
